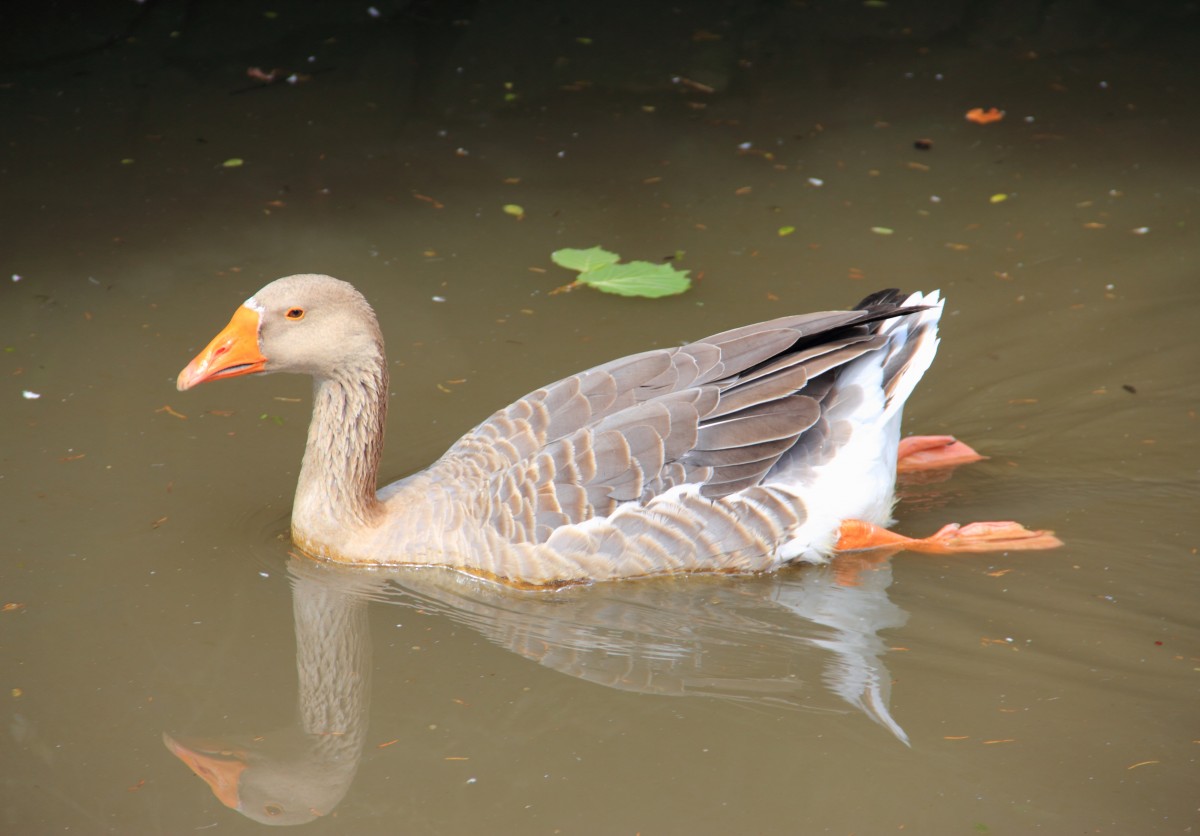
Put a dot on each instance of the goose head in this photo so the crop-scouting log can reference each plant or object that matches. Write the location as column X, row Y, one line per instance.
column 284, row 780
column 308, row 324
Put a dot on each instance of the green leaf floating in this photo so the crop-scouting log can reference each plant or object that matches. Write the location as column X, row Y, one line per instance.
column 584, row 260
column 600, row 269
column 638, row 278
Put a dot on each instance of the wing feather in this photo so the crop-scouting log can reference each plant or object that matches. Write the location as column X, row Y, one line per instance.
column 719, row 413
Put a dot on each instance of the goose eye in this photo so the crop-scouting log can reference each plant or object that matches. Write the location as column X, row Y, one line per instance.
column 295, row 314
column 273, row 809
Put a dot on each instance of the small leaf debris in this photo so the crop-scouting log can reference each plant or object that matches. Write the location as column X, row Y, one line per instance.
column 601, row 269
column 984, row 117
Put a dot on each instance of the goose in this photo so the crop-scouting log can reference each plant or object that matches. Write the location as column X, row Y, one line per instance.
column 762, row 446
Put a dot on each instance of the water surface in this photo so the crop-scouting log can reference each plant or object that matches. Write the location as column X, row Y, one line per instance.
column 146, row 574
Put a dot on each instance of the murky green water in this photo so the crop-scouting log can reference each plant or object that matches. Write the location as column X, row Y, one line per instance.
column 145, row 570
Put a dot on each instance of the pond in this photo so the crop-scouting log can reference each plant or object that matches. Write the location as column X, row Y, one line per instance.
column 155, row 614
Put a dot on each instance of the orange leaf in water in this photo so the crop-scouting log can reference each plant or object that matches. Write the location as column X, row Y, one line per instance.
column 984, row 117
column 437, row 204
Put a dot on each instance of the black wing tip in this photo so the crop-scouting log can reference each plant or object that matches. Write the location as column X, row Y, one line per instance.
column 882, row 300
column 886, row 304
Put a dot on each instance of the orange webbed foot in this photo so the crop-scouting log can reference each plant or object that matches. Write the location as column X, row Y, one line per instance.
column 931, row 452
column 856, row 535
column 997, row 536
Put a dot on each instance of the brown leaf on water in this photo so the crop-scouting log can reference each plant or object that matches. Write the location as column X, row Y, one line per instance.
column 985, row 641
column 137, row 786
column 999, row 573
column 391, row 742
column 72, row 458
column 158, row 522
column 956, row 737
column 1001, row 740
column 1141, row 763
column 12, row 606
column 167, row 409
column 436, row 204
column 695, row 85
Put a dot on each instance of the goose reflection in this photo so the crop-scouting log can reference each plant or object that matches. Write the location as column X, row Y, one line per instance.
column 744, row 640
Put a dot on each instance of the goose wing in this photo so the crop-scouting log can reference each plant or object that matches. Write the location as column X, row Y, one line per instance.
column 718, row 413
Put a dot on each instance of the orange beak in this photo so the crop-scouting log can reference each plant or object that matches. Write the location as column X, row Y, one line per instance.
column 220, row 768
column 232, row 352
